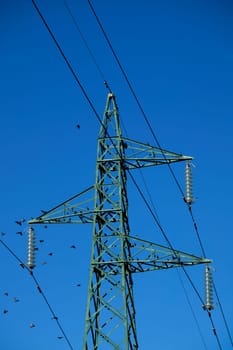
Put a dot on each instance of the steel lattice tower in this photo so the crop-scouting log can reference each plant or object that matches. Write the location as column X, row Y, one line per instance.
column 116, row 255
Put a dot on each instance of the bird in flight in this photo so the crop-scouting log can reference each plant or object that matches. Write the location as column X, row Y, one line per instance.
column 20, row 233
column 15, row 299
column 19, row 222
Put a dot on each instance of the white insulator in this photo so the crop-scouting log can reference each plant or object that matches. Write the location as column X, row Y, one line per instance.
column 208, row 289
column 31, row 248
column 188, row 183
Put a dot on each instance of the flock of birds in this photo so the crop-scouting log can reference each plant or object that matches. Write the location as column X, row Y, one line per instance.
column 16, row 299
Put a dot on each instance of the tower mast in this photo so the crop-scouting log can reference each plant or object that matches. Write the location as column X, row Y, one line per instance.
column 110, row 315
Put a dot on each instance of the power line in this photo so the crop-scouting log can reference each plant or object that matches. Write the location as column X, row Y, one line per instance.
column 54, row 317
column 67, row 62
column 133, row 92
column 87, row 47
column 157, row 142
column 96, row 114
column 223, row 315
column 136, row 99
column 192, row 310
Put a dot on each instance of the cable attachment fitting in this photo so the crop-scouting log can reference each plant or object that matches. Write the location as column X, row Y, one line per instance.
column 188, row 184
column 31, row 248
column 208, row 289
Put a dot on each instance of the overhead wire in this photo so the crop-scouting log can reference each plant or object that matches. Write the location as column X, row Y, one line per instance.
column 155, row 138
column 141, row 109
column 223, row 315
column 106, row 83
column 87, row 46
column 54, row 317
column 99, row 119
column 133, row 92
column 192, row 310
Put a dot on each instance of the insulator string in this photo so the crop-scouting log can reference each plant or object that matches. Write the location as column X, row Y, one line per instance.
column 31, row 248
column 208, row 289
column 188, row 183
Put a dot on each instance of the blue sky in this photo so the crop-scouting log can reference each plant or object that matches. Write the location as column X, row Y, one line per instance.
column 178, row 56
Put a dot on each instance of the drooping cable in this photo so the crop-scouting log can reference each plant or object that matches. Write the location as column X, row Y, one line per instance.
column 133, row 93
column 87, row 47
column 223, row 315
column 54, row 317
column 67, row 61
column 154, row 136
column 137, row 101
column 192, row 310
column 96, row 114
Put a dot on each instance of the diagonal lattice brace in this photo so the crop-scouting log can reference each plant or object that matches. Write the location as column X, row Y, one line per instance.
column 75, row 210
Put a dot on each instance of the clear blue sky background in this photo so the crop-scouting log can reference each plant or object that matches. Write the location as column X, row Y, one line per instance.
column 178, row 56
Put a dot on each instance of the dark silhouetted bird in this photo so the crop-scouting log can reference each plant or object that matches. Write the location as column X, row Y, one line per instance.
column 32, row 325
column 15, row 299
column 3, row 234
column 73, row 246
column 78, row 126
column 5, row 311
column 50, row 254
column 59, row 337
column 6, row 294
column 78, row 285
column 20, row 233
column 41, row 240
column 18, row 223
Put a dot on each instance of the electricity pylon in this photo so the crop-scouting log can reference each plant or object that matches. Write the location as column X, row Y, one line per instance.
column 116, row 255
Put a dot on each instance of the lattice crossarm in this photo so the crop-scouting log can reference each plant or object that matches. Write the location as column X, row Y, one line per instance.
column 75, row 210
column 148, row 256
column 139, row 155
